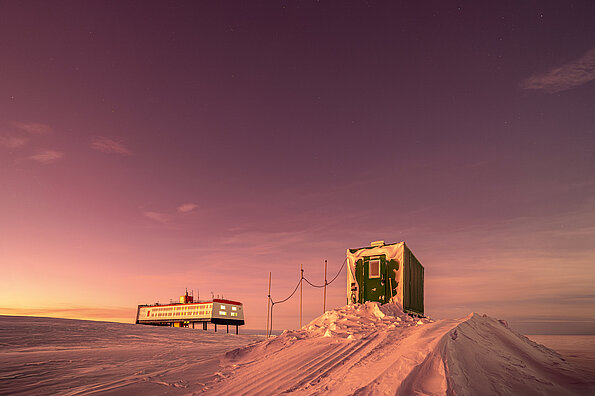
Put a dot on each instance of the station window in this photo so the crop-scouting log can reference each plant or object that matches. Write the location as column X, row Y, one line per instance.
column 234, row 314
column 374, row 269
column 223, row 307
column 234, row 308
column 222, row 313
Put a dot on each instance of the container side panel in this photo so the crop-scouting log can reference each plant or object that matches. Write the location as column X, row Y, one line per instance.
column 413, row 283
column 407, row 281
column 422, row 290
column 417, row 289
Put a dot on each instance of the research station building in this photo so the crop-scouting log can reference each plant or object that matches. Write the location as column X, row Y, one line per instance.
column 386, row 273
column 188, row 312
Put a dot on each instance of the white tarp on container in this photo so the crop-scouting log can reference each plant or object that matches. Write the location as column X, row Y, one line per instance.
column 391, row 252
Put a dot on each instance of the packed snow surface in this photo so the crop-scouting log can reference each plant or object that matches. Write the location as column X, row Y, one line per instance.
column 373, row 349
column 579, row 350
column 358, row 349
column 49, row 356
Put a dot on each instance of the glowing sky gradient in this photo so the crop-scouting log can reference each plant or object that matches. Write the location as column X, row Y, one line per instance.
column 146, row 147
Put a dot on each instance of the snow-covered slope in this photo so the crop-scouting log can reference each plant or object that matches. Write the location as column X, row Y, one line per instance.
column 377, row 349
column 49, row 356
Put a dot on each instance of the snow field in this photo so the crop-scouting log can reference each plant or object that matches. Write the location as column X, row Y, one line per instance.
column 372, row 349
column 365, row 349
column 48, row 356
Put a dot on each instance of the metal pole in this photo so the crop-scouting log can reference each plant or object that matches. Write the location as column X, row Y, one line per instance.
column 268, row 305
column 324, row 298
column 301, row 291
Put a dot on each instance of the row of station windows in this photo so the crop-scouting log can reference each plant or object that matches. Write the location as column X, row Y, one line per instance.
column 182, row 308
column 224, row 313
column 189, row 307
column 190, row 310
column 189, row 313
column 203, row 309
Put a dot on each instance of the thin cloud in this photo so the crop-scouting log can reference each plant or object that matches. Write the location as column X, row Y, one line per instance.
column 110, row 146
column 33, row 128
column 122, row 314
column 187, row 207
column 47, row 156
column 12, row 141
column 157, row 216
column 567, row 76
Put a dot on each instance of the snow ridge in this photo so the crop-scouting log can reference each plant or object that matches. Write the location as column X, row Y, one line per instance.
column 370, row 349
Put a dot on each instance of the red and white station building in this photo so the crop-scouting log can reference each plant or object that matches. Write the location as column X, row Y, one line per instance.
column 187, row 313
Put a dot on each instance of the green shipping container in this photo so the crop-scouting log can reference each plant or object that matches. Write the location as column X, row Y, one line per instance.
column 386, row 273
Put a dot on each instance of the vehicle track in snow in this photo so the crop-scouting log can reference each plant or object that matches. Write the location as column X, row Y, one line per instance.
column 370, row 349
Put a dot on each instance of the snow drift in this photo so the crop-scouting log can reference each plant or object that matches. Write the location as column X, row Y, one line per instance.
column 50, row 356
column 367, row 349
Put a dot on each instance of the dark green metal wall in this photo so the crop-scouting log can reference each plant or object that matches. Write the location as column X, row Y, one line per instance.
column 413, row 283
column 376, row 289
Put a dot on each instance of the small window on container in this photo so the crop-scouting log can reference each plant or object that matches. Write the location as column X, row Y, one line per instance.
column 234, row 308
column 223, row 307
column 374, row 269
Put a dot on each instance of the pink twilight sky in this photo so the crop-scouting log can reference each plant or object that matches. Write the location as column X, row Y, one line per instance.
column 149, row 147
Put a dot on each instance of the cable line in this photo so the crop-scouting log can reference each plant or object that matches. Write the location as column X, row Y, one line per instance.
column 291, row 295
column 302, row 278
column 328, row 283
column 312, row 284
column 340, row 269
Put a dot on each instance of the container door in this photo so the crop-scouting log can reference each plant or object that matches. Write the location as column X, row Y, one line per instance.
column 375, row 275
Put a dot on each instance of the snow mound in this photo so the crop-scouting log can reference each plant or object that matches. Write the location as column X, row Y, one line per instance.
column 358, row 321
column 374, row 349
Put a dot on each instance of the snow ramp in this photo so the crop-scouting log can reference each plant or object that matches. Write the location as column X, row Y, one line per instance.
column 373, row 349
